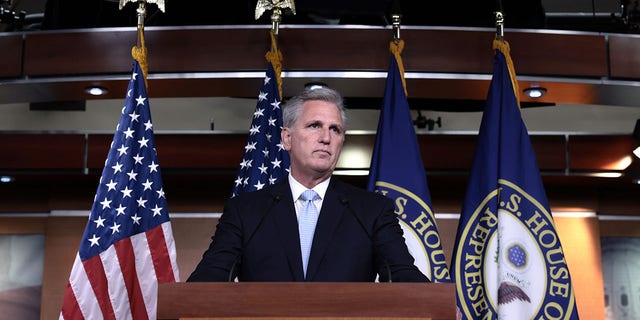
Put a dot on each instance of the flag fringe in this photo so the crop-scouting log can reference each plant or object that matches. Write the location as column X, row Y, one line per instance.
column 275, row 57
column 503, row 46
column 396, row 47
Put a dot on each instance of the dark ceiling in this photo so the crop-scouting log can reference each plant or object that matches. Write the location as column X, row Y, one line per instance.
column 601, row 16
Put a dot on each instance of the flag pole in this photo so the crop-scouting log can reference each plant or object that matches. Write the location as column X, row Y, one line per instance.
column 396, row 46
column 499, row 43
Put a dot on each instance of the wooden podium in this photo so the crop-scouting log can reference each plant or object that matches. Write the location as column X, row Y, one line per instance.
column 299, row 300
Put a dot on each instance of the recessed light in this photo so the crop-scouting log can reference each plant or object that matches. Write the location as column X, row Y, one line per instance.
column 6, row 179
column 96, row 90
column 535, row 92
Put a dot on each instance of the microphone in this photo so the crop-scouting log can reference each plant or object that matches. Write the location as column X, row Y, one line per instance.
column 386, row 266
column 232, row 275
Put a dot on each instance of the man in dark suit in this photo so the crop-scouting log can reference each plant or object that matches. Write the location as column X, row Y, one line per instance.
column 357, row 236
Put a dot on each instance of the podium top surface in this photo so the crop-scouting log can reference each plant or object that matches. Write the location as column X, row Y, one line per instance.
column 263, row 300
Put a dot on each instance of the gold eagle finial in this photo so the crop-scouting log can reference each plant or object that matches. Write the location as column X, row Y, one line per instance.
column 159, row 3
column 276, row 5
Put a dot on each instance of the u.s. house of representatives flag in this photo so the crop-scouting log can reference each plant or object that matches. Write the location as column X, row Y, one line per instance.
column 397, row 171
column 128, row 246
column 508, row 260
column 265, row 161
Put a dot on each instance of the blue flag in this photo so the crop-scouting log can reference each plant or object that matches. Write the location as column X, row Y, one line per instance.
column 397, row 171
column 265, row 161
column 508, row 261
column 128, row 246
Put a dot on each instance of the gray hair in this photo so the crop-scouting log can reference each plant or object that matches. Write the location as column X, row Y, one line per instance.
column 293, row 107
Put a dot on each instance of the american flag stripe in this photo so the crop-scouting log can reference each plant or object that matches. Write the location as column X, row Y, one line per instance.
column 145, row 270
column 170, row 243
column 97, row 277
column 115, row 286
column 160, row 254
column 126, row 257
column 71, row 309
column 80, row 301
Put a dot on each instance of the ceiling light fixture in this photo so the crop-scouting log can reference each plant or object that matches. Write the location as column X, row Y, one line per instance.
column 6, row 179
column 535, row 92
column 96, row 90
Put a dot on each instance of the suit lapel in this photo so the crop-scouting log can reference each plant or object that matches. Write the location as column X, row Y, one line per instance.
column 330, row 217
column 287, row 225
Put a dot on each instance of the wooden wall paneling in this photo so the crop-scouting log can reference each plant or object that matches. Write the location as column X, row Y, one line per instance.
column 444, row 50
column 107, row 50
column 98, row 51
column 620, row 200
column 193, row 237
column 624, row 56
column 604, row 152
column 456, row 152
column 551, row 152
column 208, row 49
column 447, row 152
column 334, row 49
column 98, row 150
column 555, row 54
column 620, row 228
column 194, row 151
column 181, row 151
column 30, row 225
column 11, row 56
column 41, row 151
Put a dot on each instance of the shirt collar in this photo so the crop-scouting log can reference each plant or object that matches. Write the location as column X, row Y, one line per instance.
column 297, row 188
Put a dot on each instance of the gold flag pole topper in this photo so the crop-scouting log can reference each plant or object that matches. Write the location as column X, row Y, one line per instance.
column 276, row 16
column 139, row 52
column 499, row 25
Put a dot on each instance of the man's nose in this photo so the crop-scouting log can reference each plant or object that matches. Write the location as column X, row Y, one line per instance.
column 325, row 135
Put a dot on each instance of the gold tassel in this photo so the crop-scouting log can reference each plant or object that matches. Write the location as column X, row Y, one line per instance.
column 275, row 57
column 503, row 46
column 396, row 47
column 139, row 53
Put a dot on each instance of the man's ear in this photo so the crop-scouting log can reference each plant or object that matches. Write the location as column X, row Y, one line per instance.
column 285, row 135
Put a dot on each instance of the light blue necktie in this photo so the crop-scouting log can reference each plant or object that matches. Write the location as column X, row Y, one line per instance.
column 307, row 225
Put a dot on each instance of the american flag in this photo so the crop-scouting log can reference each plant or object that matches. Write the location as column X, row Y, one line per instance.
column 264, row 160
column 128, row 245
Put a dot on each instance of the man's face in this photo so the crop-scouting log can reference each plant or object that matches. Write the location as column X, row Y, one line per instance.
column 315, row 141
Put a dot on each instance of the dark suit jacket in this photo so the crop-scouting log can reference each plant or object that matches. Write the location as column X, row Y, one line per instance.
column 357, row 237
